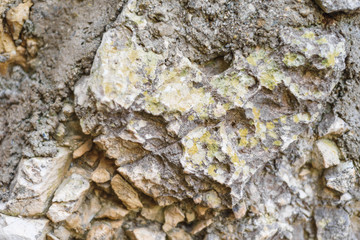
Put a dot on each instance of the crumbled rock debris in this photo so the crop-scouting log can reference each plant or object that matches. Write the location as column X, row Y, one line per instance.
column 192, row 119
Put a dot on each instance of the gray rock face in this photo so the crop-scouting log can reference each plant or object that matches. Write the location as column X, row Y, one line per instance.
column 332, row 223
column 342, row 177
column 330, row 6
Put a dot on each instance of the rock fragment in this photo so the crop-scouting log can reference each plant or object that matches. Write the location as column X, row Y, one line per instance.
column 68, row 197
column 332, row 223
column 199, row 226
column 154, row 213
column 330, row 6
column 125, row 192
column 100, row 231
column 35, row 182
column 145, row 234
column 112, row 211
column 326, row 154
column 100, row 175
column 17, row 16
column 332, row 125
column 342, row 177
column 14, row 228
column 80, row 220
column 85, row 147
column 178, row 234
column 173, row 215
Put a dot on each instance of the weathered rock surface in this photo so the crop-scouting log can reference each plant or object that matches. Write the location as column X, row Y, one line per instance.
column 145, row 234
column 245, row 132
column 35, row 183
column 332, row 223
column 14, row 228
column 330, row 6
column 195, row 120
column 342, row 177
column 125, row 193
column 326, row 154
column 68, row 197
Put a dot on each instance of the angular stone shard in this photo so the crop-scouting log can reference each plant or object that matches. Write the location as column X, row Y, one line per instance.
column 173, row 215
column 17, row 16
column 100, row 231
column 35, row 182
column 330, row 6
column 125, row 192
column 14, row 228
column 342, row 177
column 145, row 234
column 179, row 234
column 326, row 154
column 68, row 197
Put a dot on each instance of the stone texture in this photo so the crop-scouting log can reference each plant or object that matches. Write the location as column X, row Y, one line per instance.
column 330, row 6
column 17, row 16
column 326, row 154
column 341, row 178
column 332, row 223
column 14, row 228
column 256, row 106
column 178, row 234
column 145, row 234
column 112, row 211
column 125, row 193
column 68, row 197
column 35, row 183
column 85, row 147
column 173, row 215
column 100, row 231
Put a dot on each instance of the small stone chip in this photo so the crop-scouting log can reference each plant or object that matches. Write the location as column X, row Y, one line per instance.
column 125, row 193
column 326, row 154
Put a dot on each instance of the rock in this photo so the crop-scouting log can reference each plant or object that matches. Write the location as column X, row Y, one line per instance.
column 257, row 102
column 68, row 197
column 17, row 16
column 85, row 147
column 173, row 215
column 101, row 175
column 326, row 154
column 154, row 213
column 178, row 234
column 14, row 228
column 111, row 211
column 62, row 233
column 100, row 231
column 201, row 225
column 240, row 210
column 125, row 193
column 190, row 216
column 330, row 6
column 104, row 171
column 332, row 223
column 145, row 234
column 80, row 220
column 332, row 125
column 35, row 183
column 342, row 177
